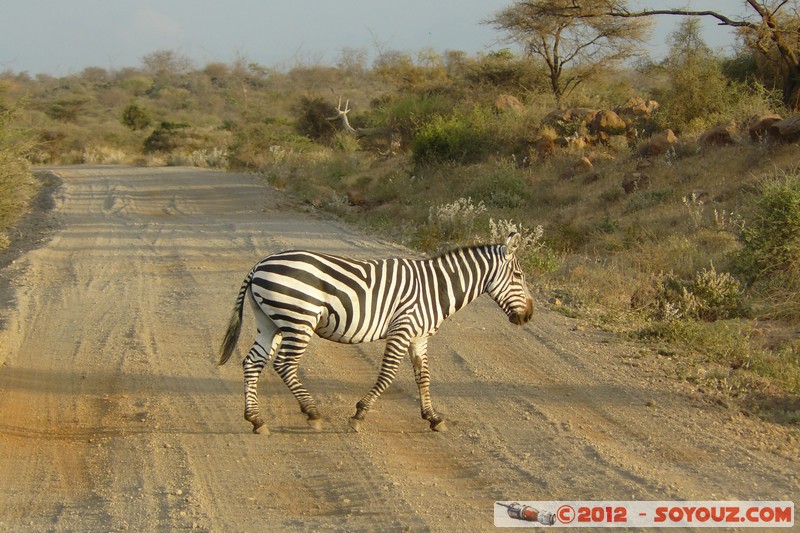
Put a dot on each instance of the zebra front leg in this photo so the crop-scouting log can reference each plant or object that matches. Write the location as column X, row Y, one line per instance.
column 286, row 363
column 396, row 346
column 419, row 360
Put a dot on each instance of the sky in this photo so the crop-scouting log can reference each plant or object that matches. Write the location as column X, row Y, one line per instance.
column 60, row 37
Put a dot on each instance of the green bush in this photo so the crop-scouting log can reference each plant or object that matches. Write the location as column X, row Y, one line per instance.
column 312, row 114
column 718, row 295
column 166, row 137
column 771, row 238
column 458, row 138
column 699, row 95
column 406, row 112
column 769, row 259
column 136, row 117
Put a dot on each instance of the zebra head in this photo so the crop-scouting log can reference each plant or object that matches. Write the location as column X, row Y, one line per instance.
column 507, row 284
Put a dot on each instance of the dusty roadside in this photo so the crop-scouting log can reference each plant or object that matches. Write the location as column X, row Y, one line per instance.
column 35, row 228
column 114, row 415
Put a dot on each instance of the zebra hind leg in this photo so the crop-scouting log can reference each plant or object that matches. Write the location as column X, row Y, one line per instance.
column 253, row 364
column 285, row 364
column 419, row 360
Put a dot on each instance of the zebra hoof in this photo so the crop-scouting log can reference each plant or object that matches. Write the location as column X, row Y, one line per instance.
column 440, row 426
column 259, row 428
column 315, row 423
column 355, row 423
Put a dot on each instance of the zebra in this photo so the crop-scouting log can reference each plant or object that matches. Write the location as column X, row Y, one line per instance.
column 297, row 293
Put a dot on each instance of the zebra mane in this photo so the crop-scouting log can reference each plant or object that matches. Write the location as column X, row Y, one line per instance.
column 465, row 248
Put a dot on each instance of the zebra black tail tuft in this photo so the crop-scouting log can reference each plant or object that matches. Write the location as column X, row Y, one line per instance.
column 235, row 324
column 231, row 336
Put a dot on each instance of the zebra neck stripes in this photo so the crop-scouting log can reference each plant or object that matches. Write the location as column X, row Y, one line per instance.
column 454, row 279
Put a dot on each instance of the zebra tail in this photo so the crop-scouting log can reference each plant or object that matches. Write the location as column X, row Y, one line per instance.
column 235, row 324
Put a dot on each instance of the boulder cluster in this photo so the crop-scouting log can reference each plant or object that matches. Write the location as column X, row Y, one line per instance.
column 627, row 126
column 582, row 126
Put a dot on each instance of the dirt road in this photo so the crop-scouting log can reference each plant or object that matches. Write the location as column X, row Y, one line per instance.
column 115, row 416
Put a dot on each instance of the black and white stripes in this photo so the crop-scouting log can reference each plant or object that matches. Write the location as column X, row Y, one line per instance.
column 297, row 293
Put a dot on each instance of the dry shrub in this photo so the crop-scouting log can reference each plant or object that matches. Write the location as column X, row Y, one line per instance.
column 456, row 221
column 709, row 296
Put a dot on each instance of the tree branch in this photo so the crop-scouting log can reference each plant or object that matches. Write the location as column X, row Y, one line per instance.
column 341, row 114
column 723, row 20
column 778, row 8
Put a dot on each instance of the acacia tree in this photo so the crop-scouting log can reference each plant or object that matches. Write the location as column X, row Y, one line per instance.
column 166, row 67
column 770, row 27
column 576, row 40
column 698, row 91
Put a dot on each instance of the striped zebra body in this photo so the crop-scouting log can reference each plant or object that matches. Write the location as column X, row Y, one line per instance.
column 296, row 293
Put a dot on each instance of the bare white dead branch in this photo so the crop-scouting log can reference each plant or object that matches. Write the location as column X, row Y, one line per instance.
column 341, row 115
column 382, row 134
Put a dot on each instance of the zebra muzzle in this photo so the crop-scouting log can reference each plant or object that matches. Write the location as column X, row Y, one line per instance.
column 521, row 318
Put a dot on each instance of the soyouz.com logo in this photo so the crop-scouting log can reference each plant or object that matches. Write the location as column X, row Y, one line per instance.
column 644, row 514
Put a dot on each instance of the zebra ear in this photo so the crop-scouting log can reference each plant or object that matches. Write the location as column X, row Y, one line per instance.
column 512, row 242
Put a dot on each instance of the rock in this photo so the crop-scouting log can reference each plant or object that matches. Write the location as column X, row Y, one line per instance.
column 787, row 129
column 506, row 103
column 634, row 181
column 583, row 114
column 595, row 156
column 584, row 164
column 759, row 126
column 607, row 122
column 581, row 166
column 554, row 116
column 544, row 146
column 659, row 143
column 637, row 107
column 356, row 198
column 617, row 142
column 575, row 142
column 586, row 115
column 722, row 135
